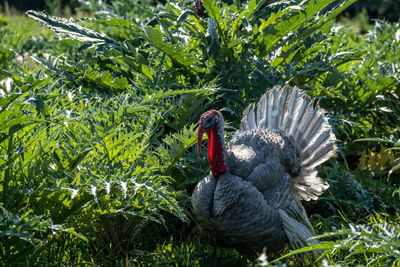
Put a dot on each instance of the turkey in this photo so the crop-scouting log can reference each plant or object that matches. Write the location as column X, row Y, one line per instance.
column 252, row 197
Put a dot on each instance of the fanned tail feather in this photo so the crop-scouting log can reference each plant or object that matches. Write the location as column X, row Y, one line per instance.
column 294, row 114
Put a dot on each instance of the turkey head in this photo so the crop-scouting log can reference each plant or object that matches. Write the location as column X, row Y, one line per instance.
column 212, row 123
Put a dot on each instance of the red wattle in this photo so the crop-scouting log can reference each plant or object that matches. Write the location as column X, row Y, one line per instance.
column 215, row 153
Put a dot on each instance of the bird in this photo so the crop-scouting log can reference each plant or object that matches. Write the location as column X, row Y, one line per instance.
column 252, row 197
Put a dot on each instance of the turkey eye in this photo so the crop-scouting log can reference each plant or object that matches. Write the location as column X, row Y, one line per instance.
column 209, row 123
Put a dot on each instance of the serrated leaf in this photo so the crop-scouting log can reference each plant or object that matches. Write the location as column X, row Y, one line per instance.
column 71, row 29
column 174, row 51
column 212, row 34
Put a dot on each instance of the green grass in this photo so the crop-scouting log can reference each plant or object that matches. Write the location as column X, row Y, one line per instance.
column 22, row 39
column 17, row 20
column 98, row 128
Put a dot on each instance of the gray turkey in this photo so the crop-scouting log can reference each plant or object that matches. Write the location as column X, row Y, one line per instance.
column 252, row 197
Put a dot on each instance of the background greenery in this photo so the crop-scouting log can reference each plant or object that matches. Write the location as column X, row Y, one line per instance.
column 98, row 127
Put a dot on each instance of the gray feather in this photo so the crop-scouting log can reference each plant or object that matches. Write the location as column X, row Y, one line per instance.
column 248, row 120
column 299, row 235
column 262, row 119
column 293, row 113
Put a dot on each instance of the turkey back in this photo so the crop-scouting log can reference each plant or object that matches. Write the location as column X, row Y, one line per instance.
column 291, row 112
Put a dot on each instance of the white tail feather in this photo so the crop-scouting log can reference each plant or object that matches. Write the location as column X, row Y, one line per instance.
column 248, row 121
column 292, row 112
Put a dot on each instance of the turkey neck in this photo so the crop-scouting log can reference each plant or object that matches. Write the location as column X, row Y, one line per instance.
column 216, row 151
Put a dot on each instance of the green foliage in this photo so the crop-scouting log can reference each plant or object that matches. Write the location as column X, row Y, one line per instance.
column 375, row 244
column 396, row 146
column 3, row 21
column 190, row 252
column 20, row 235
column 224, row 46
column 97, row 136
column 10, row 44
column 369, row 91
column 352, row 195
column 93, row 151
